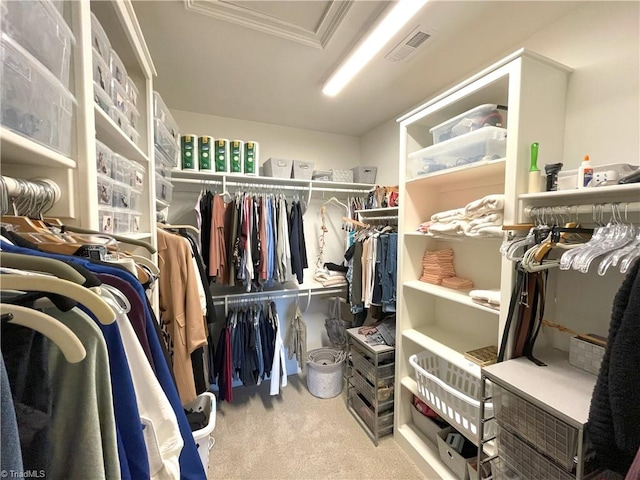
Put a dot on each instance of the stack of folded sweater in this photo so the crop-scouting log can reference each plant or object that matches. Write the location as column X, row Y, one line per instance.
column 437, row 268
column 330, row 278
column 480, row 218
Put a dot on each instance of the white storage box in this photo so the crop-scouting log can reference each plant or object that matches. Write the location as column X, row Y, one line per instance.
column 101, row 74
column 585, row 355
column 34, row 102
column 118, row 71
column 302, row 170
column 105, row 191
column 345, row 176
column 40, row 29
column 364, row 174
column 474, row 119
column 426, row 425
column 486, row 144
column 132, row 91
column 451, row 458
column 102, row 98
column 452, row 392
column 99, row 39
column 164, row 140
column 278, row 168
column 164, row 189
column 204, row 403
column 104, row 161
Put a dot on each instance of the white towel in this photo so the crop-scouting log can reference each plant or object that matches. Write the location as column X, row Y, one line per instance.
column 486, row 220
column 449, row 215
column 490, row 296
column 488, row 204
column 455, row 227
column 486, row 231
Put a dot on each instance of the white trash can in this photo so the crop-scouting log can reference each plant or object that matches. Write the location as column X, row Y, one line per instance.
column 324, row 372
column 205, row 403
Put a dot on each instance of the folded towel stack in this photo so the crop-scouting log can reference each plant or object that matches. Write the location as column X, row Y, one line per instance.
column 437, row 268
column 480, row 218
column 330, row 278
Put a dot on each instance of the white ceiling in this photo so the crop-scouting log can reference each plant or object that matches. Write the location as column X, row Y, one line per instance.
column 266, row 61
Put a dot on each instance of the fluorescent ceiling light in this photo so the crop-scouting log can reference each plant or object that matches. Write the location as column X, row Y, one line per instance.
column 399, row 15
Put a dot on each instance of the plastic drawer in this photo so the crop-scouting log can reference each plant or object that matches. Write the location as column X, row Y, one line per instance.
column 137, row 176
column 102, row 98
column 136, row 200
column 544, row 431
column 133, row 134
column 488, row 143
column 164, row 140
column 40, row 29
column 104, row 160
column 162, row 113
column 106, row 220
column 101, row 74
column 164, row 189
column 105, row 191
column 163, row 159
column 525, row 460
column 132, row 114
column 367, row 368
column 164, row 171
column 121, row 171
column 119, row 96
column 381, row 394
column 135, row 219
column 122, row 221
column 99, row 39
column 118, row 71
column 474, row 119
column 121, row 196
column 118, row 117
column 366, row 413
column 132, row 92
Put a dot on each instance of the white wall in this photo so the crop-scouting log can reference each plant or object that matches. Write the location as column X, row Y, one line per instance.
column 379, row 148
column 326, row 150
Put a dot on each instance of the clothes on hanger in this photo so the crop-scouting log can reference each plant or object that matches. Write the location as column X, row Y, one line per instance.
column 94, row 403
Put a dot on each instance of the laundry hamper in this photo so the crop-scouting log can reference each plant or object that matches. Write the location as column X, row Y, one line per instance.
column 324, row 372
column 205, row 403
column 452, row 392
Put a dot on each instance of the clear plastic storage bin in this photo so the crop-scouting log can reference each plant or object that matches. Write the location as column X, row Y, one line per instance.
column 135, row 218
column 474, row 119
column 40, row 29
column 122, row 220
column 488, row 143
column 164, row 189
column 105, row 190
column 34, row 102
column 99, row 39
column 121, row 195
column 118, row 72
column 162, row 113
column 101, row 74
column 104, row 161
column 119, row 96
column 118, row 117
column 105, row 220
column 121, row 169
column 137, row 176
column 133, row 134
column 102, row 98
column 163, row 159
column 132, row 114
column 136, row 200
column 132, row 92
column 164, row 140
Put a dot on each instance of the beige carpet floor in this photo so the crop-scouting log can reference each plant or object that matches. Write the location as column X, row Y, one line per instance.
column 297, row 436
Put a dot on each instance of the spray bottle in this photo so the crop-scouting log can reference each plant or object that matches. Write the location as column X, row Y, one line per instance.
column 585, row 173
column 534, row 171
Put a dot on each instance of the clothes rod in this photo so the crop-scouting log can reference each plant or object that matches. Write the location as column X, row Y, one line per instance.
column 274, row 294
column 588, row 209
column 248, row 186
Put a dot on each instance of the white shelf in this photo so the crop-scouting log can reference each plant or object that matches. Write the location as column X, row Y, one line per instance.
column 425, row 450
column 378, row 211
column 20, row 150
column 583, row 195
column 451, row 238
column 458, row 296
column 113, row 137
column 559, row 386
column 137, row 236
column 447, row 344
column 471, row 173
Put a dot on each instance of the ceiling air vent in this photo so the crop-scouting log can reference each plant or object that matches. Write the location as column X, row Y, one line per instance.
column 408, row 46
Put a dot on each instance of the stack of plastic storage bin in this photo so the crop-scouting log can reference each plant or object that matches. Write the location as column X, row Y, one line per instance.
column 36, row 46
column 120, row 186
column 114, row 91
column 166, row 137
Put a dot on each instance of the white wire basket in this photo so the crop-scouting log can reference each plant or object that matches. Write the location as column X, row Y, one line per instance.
column 453, row 393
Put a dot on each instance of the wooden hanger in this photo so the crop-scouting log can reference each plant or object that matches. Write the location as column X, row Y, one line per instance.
column 82, row 295
column 41, row 264
column 355, row 222
column 67, row 341
column 166, row 226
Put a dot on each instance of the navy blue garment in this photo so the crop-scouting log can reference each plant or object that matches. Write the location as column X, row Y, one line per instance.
column 10, row 440
column 190, row 464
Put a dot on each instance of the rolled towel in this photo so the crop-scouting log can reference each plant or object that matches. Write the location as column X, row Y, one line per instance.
column 488, row 204
column 449, row 215
column 489, row 296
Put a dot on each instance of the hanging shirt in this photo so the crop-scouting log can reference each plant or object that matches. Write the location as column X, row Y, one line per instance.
column 278, row 368
column 11, row 455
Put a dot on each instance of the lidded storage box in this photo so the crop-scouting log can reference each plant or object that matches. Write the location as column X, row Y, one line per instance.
column 99, row 39
column 474, row 119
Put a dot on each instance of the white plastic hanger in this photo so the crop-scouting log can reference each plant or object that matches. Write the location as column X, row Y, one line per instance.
column 82, row 295
column 57, row 332
column 153, row 268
